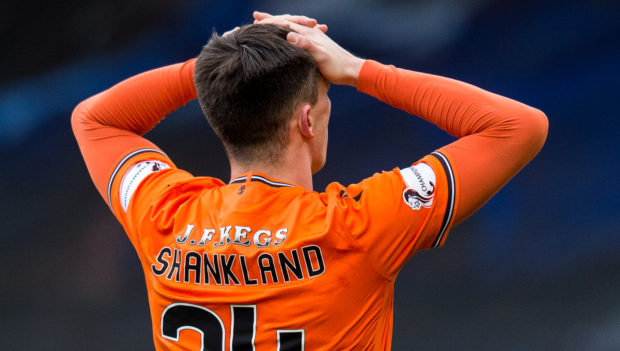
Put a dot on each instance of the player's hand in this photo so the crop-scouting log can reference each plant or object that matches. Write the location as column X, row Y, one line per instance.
column 301, row 20
column 335, row 63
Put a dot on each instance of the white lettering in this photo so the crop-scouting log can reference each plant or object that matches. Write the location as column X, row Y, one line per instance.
column 257, row 240
column 207, row 234
column 241, row 233
column 281, row 236
column 225, row 235
column 188, row 231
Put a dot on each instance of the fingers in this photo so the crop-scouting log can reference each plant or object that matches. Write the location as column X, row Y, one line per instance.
column 279, row 20
column 302, row 20
column 230, row 31
column 259, row 16
column 275, row 20
column 296, row 40
column 301, row 42
column 263, row 17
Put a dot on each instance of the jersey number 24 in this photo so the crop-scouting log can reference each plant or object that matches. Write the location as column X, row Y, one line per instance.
column 179, row 316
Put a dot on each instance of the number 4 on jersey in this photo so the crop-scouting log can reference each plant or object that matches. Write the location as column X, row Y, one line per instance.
column 179, row 316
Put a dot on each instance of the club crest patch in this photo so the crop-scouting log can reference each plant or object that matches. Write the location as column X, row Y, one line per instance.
column 134, row 176
column 420, row 182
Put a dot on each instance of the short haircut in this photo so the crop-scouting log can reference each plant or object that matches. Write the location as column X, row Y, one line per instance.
column 249, row 83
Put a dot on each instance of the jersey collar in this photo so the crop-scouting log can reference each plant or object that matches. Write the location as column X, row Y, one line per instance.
column 254, row 177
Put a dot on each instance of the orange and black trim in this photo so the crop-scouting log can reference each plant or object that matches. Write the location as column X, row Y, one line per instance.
column 261, row 179
column 451, row 196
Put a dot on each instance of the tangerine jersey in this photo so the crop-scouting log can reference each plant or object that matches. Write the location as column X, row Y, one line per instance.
column 262, row 264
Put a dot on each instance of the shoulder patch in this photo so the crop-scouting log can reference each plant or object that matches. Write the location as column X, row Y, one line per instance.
column 134, row 176
column 420, row 182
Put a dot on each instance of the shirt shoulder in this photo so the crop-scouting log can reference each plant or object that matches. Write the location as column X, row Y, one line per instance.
column 147, row 179
column 393, row 214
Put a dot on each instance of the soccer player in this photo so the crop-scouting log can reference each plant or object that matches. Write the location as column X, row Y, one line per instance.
column 264, row 262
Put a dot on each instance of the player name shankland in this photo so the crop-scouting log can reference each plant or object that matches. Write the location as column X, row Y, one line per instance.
column 193, row 264
column 199, row 267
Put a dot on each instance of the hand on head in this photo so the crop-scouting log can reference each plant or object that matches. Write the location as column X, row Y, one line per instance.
column 285, row 20
column 335, row 63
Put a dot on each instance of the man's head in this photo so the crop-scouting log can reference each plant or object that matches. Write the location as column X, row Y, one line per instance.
column 249, row 84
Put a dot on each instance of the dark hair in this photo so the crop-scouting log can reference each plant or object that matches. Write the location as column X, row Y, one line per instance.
column 248, row 84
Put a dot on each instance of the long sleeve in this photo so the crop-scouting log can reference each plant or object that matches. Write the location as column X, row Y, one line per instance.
column 109, row 125
column 497, row 136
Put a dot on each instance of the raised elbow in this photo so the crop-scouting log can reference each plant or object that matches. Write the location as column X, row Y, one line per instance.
column 77, row 116
column 529, row 128
column 81, row 117
column 537, row 128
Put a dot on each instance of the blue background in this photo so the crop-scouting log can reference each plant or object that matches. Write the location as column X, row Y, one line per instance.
column 537, row 268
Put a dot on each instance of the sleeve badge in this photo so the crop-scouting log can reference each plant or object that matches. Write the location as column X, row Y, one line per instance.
column 420, row 186
column 134, row 176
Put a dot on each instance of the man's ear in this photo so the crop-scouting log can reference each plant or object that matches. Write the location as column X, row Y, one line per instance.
column 306, row 122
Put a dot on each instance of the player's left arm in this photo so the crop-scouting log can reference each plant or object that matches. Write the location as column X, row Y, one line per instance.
column 109, row 126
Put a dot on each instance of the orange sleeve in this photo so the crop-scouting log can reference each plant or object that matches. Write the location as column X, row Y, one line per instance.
column 109, row 125
column 498, row 136
column 394, row 214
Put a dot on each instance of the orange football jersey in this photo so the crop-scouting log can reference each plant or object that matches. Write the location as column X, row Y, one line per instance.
column 260, row 264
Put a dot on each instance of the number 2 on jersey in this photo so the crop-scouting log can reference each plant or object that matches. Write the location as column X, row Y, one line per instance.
column 179, row 316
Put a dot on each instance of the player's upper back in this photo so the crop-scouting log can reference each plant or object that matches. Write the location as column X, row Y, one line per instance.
column 273, row 260
column 262, row 264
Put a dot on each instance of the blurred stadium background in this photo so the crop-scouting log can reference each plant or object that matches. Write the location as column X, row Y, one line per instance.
column 538, row 268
